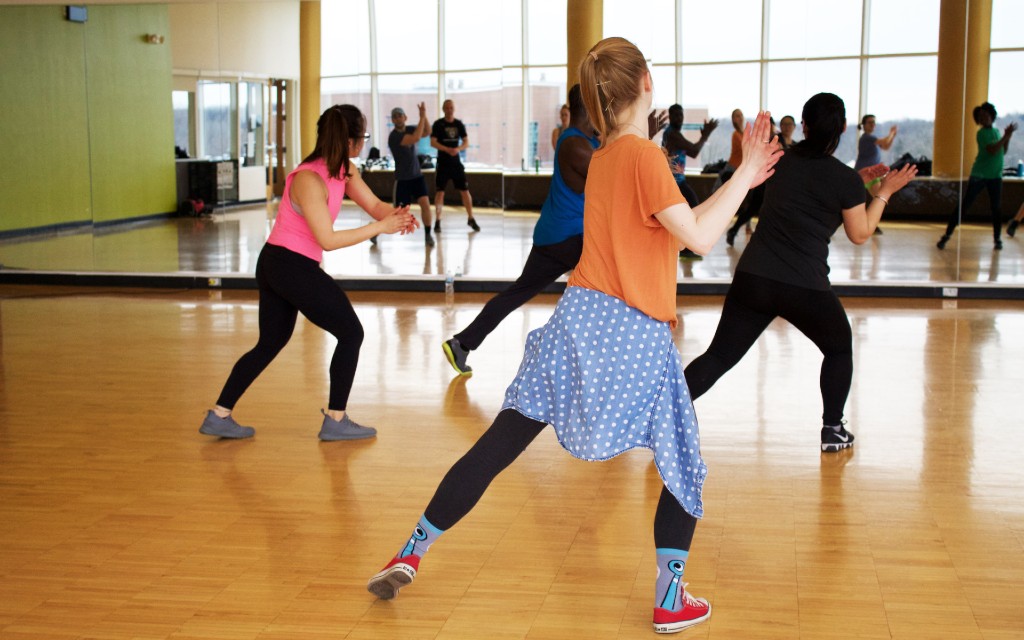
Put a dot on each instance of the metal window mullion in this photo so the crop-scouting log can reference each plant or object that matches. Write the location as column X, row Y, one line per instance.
column 865, row 44
column 679, row 52
column 765, row 23
column 525, row 44
column 374, row 87
column 442, row 85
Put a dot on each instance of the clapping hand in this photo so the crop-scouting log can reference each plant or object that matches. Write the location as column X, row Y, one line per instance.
column 896, row 180
column 400, row 221
column 869, row 175
column 761, row 148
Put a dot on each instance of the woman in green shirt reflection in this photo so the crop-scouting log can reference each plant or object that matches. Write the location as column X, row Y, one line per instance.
column 987, row 172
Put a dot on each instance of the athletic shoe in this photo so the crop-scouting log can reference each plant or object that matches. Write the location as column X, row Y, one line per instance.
column 457, row 354
column 429, row 239
column 472, row 223
column 343, row 429
column 399, row 573
column 999, row 245
column 942, row 242
column 437, row 226
column 214, row 425
column 832, row 440
column 686, row 254
column 694, row 611
column 1012, row 228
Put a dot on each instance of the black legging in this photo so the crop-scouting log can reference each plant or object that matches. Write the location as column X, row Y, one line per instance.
column 496, row 449
column 994, row 186
column 689, row 194
column 543, row 266
column 750, row 305
column 290, row 282
column 746, row 214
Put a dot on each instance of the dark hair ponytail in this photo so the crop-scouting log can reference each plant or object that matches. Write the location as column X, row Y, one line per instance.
column 337, row 126
column 824, row 117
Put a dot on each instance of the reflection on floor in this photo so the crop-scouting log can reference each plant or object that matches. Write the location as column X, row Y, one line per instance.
column 229, row 241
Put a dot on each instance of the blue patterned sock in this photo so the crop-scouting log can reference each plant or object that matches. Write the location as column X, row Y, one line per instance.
column 422, row 537
column 668, row 591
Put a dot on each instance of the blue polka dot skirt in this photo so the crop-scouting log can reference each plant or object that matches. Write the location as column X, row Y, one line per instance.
column 608, row 378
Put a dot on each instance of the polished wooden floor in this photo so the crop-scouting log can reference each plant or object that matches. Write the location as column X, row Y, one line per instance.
column 119, row 521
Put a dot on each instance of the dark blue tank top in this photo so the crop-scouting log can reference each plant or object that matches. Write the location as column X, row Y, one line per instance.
column 561, row 216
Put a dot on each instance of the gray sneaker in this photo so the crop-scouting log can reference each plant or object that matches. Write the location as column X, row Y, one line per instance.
column 456, row 355
column 214, row 425
column 343, row 429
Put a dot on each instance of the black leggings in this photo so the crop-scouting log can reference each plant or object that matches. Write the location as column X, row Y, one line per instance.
column 747, row 213
column 750, row 305
column 290, row 282
column 496, row 449
column 691, row 196
column 994, row 186
column 542, row 267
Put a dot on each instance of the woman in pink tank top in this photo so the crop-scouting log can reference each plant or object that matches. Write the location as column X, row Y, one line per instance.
column 291, row 281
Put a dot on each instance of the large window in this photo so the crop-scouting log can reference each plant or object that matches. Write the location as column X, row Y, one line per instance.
column 508, row 101
column 1005, row 89
column 504, row 63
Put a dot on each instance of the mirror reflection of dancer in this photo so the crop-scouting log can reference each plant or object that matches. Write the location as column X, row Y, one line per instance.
column 753, row 208
column 409, row 183
column 870, row 147
column 784, row 270
column 449, row 137
column 557, row 237
column 564, row 116
column 601, row 399
column 986, row 173
column 678, row 148
column 290, row 278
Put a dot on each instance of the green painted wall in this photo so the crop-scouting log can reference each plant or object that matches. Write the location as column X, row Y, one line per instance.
column 131, row 118
column 44, row 137
column 87, row 129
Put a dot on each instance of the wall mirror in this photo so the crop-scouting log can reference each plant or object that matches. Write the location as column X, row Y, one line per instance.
column 503, row 63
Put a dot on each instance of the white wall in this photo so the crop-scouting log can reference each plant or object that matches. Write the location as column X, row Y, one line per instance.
column 235, row 39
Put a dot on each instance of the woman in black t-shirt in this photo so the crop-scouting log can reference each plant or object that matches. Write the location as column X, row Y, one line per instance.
column 784, row 270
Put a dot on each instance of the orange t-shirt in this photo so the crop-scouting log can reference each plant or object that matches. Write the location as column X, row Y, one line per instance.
column 736, row 157
column 626, row 252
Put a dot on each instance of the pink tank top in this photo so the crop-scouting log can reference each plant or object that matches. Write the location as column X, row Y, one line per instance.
column 290, row 228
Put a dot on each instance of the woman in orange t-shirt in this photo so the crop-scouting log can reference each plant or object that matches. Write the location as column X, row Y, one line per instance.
column 604, row 370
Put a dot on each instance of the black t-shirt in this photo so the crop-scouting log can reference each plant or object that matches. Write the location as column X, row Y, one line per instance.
column 448, row 134
column 803, row 207
column 407, row 166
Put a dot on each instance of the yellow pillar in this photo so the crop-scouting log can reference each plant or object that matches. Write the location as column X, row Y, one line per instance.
column 309, row 73
column 965, row 28
column 584, row 27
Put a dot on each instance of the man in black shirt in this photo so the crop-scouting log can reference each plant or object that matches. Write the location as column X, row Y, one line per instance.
column 409, row 183
column 449, row 137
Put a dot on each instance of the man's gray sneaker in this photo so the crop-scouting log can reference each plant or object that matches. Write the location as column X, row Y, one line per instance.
column 343, row 429
column 456, row 354
column 214, row 425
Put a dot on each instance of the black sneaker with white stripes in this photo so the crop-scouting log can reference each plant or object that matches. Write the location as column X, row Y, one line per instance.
column 832, row 440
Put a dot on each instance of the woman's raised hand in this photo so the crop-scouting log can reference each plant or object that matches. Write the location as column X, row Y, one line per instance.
column 761, row 148
column 896, row 180
column 400, row 221
column 872, row 173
